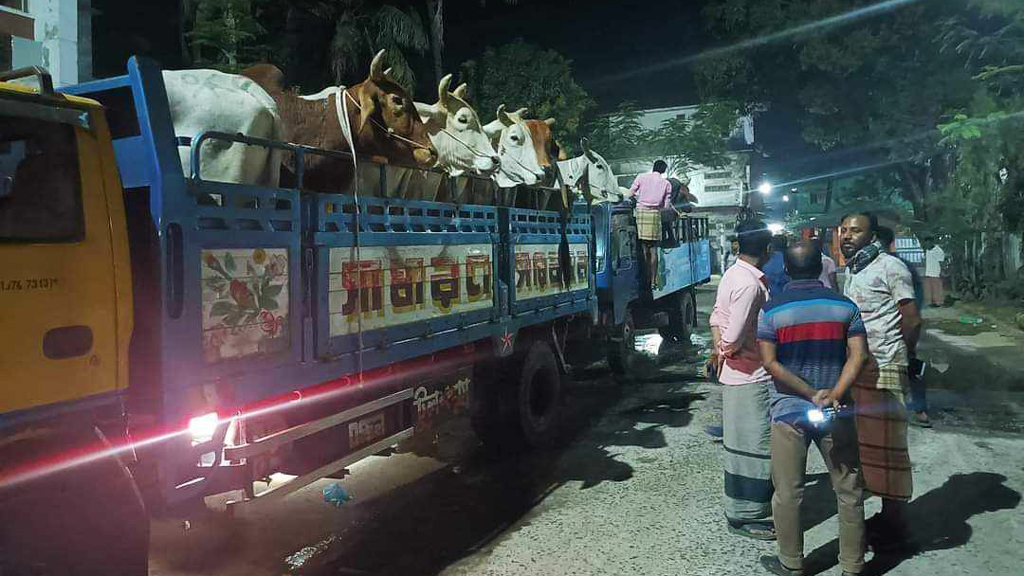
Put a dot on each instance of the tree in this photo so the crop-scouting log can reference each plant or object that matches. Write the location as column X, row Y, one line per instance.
column 360, row 33
column 879, row 84
column 520, row 74
column 435, row 15
column 224, row 33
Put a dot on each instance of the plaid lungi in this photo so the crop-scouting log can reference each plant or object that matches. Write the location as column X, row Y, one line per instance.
column 648, row 224
column 882, row 431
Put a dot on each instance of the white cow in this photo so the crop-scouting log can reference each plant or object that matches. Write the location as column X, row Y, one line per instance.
column 519, row 163
column 603, row 185
column 462, row 145
column 209, row 100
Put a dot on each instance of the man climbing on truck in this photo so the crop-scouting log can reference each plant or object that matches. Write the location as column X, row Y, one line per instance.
column 653, row 193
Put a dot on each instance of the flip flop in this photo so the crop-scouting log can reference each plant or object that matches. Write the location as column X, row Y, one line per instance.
column 755, row 530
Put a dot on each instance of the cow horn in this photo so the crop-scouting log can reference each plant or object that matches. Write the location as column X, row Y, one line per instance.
column 388, row 71
column 504, row 116
column 550, row 122
column 442, row 91
column 377, row 66
column 461, row 90
column 520, row 113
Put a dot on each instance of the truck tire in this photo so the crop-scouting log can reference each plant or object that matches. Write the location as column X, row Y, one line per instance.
column 84, row 521
column 622, row 346
column 518, row 406
column 682, row 317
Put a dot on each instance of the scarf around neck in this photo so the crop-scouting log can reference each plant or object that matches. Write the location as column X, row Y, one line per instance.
column 864, row 256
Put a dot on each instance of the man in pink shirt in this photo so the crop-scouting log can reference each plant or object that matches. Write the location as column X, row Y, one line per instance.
column 653, row 193
column 742, row 292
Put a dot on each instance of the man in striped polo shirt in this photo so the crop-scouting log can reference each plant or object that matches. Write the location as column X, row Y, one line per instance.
column 804, row 335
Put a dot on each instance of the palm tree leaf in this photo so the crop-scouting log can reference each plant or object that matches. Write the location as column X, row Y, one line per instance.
column 404, row 29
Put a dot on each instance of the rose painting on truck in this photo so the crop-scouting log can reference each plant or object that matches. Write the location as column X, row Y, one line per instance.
column 245, row 302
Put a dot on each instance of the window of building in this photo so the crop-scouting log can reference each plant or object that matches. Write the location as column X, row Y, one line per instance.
column 719, row 175
column 40, row 188
column 719, row 188
column 16, row 4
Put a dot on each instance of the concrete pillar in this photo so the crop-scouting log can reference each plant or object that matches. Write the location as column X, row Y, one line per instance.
column 56, row 28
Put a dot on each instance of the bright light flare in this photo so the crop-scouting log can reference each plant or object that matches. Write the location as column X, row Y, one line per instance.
column 785, row 198
column 815, row 416
column 775, row 227
column 202, row 428
column 765, row 188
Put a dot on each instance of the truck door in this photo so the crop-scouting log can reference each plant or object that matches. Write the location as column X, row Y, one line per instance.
column 58, row 340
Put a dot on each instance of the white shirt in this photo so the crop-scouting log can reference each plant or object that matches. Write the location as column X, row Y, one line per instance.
column 877, row 290
column 828, row 267
column 933, row 262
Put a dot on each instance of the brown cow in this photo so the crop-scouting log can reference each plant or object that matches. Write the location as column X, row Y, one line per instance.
column 381, row 114
column 544, row 145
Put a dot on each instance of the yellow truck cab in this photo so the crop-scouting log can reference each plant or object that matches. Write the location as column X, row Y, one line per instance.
column 66, row 310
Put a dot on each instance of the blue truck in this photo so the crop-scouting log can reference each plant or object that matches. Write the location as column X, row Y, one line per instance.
column 267, row 330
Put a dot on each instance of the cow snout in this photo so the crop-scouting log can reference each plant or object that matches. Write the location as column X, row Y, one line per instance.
column 486, row 164
column 425, row 156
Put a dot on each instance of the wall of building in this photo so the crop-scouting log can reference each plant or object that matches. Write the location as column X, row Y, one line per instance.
column 54, row 34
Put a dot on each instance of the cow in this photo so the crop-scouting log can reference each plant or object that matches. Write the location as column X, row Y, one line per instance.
column 463, row 147
column 603, row 186
column 383, row 121
column 209, row 100
column 544, row 146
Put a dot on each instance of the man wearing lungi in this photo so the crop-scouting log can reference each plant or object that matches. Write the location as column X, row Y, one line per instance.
column 742, row 292
column 803, row 335
column 881, row 286
column 653, row 194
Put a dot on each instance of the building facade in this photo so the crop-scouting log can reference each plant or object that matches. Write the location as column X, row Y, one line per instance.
column 54, row 34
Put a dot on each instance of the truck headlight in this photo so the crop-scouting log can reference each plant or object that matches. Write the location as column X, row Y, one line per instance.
column 202, row 428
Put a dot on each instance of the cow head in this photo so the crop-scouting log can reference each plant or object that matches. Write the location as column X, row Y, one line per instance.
column 543, row 144
column 454, row 129
column 387, row 123
column 604, row 186
column 519, row 163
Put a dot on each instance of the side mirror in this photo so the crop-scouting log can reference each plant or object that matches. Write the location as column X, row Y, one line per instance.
column 6, row 186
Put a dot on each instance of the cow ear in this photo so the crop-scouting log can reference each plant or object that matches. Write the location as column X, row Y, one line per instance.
column 504, row 117
column 377, row 67
column 550, row 122
column 367, row 107
column 493, row 129
column 427, row 112
column 461, row 90
column 442, row 92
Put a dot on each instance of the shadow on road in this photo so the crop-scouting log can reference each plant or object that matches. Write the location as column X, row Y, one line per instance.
column 938, row 520
column 426, row 525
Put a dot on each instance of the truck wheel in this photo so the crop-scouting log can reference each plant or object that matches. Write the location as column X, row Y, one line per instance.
column 622, row 346
column 682, row 318
column 515, row 403
column 538, row 392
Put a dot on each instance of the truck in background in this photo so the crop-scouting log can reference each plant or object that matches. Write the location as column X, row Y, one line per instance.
column 166, row 339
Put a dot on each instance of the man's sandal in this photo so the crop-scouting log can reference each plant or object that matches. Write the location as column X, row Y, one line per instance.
column 755, row 530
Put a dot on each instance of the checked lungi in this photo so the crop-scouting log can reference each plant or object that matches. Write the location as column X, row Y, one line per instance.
column 746, row 436
column 880, row 398
column 648, row 224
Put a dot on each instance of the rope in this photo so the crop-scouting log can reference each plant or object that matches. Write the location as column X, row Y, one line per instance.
column 341, row 108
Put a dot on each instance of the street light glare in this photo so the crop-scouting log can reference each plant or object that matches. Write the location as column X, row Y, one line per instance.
column 765, row 188
column 785, row 198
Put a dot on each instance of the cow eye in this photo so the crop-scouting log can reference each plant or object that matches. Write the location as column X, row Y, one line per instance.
column 514, row 138
column 463, row 120
column 397, row 100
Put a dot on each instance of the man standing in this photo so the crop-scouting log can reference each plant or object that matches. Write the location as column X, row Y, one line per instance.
column 880, row 285
column 775, row 268
column 933, row 259
column 918, row 398
column 804, row 334
column 742, row 292
column 653, row 194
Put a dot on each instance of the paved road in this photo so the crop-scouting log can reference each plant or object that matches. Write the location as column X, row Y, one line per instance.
column 633, row 488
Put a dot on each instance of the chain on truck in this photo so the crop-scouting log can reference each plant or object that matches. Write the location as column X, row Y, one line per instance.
column 169, row 338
